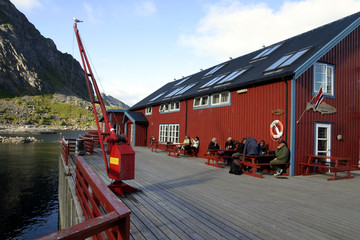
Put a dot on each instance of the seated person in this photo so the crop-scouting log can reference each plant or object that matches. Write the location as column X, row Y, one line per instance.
column 195, row 144
column 229, row 144
column 263, row 147
column 186, row 144
column 251, row 147
column 240, row 147
column 282, row 156
column 213, row 145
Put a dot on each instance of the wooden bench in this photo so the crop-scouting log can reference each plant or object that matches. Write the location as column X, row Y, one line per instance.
column 173, row 150
column 323, row 164
column 258, row 162
column 155, row 145
column 213, row 157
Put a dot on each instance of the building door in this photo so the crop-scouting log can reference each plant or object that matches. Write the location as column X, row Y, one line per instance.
column 323, row 139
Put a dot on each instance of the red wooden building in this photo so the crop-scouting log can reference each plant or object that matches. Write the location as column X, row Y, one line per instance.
column 243, row 96
column 132, row 124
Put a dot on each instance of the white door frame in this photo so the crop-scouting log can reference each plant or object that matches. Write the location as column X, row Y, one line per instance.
column 326, row 136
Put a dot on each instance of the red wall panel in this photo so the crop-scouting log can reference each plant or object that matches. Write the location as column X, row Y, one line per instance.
column 249, row 115
column 346, row 121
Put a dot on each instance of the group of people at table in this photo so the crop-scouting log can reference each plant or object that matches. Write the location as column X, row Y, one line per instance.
column 249, row 146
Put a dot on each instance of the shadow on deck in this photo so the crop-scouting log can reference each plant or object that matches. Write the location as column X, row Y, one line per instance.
column 182, row 198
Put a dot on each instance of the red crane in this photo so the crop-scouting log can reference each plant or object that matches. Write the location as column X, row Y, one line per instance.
column 121, row 163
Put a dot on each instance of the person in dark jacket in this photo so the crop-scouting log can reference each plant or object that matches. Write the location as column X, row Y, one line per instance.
column 251, row 147
column 214, row 144
column 282, row 156
column 263, row 147
column 240, row 147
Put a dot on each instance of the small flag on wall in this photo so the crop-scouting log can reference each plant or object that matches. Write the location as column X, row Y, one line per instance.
column 319, row 99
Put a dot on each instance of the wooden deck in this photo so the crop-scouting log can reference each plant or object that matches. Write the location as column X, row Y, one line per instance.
column 182, row 198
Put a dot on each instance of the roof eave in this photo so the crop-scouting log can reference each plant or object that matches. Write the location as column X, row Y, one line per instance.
column 315, row 57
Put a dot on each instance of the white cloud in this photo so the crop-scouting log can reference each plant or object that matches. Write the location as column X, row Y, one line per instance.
column 231, row 28
column 27, row 5
column 145, row 8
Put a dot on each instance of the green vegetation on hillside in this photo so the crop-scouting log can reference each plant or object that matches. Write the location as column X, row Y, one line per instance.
column 50, row 109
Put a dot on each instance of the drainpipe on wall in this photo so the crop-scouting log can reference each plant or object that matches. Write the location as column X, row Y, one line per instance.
column 186, row 113
column 292, row 126
column 286, row 109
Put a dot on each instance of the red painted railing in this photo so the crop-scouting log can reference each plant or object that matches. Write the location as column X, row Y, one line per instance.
column 68, row 147
column 106, row 216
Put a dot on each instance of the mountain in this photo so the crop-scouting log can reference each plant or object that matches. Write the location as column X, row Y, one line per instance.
column 30, row 64
column 113, row 102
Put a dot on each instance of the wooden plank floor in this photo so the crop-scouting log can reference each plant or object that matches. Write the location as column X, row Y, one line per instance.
column 182, row 198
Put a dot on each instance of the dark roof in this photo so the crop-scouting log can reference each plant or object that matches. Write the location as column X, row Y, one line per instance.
column 135, row 117
column 304, row 49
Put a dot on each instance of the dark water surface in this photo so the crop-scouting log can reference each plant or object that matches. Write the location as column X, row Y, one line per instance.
column 29, row 187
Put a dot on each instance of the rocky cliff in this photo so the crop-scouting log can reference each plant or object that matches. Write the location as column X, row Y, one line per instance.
column 30, row 64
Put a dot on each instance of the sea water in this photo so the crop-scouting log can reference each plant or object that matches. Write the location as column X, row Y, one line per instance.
column 29, row 186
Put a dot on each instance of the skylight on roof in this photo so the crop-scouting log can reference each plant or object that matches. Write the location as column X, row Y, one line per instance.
column 213, row 81
column 232, row 76
column 287, row 60
column 214, row 70
column 153, row 99
column 185, row 89
column 174, row 92
column 267, row 51
column 182, row 81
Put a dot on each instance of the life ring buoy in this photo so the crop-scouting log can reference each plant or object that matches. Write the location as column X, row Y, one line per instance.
column 276, row 129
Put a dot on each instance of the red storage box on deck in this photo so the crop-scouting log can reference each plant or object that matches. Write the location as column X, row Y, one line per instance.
column 122, row 162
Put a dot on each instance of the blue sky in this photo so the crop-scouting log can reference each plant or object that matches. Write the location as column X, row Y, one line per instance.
column 138, row 46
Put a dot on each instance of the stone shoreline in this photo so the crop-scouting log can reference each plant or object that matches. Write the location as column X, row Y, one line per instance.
column 30, row 129
column 16, row 140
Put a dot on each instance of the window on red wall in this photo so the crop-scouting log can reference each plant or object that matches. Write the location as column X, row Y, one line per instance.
column 169, row 133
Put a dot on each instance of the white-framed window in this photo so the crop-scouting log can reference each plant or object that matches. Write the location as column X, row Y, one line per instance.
column 201, row 101
column 169, row 107
column 164, row 107
column 323, row 77
column 148, row 111
column 220, row 98
column 175, row 106
column 169, row 133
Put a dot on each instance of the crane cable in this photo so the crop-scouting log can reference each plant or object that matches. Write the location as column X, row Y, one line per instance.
column 94, row 69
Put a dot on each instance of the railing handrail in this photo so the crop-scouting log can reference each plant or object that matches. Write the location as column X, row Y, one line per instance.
column 68, row 146
column 104, row 211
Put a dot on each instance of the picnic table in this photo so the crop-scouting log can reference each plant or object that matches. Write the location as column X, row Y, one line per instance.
column 321, row 164
column 260, row 162
column 214, row 158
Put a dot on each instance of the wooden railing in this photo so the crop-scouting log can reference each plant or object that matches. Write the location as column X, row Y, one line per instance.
column 68, row 147
column 106, row 217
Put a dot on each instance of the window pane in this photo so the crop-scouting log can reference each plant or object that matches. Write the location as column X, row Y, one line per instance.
column 320, row 78
column 197, row 102
column 322, row 132
column 324, row 77
column 320, row 68
column 204, row 100
column 322, row 145
column 225, row 97
column 215, row 98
